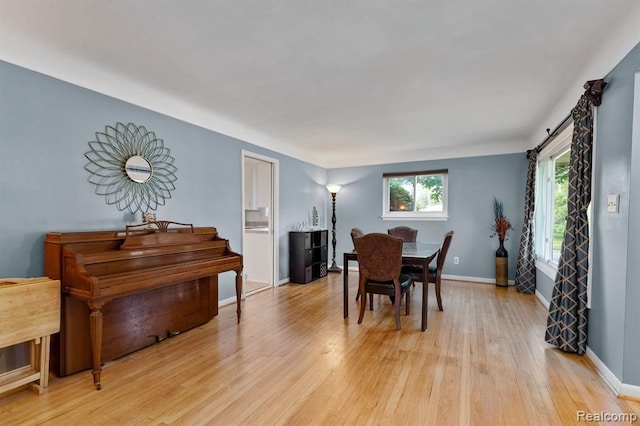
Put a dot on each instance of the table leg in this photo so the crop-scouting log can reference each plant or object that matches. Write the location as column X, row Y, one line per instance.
column 345, row 286
column 45, row 354
column 425, row 295
column 238, row 294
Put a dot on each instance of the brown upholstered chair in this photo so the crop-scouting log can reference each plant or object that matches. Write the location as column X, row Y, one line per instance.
column 355, row 233
column 435, row 272
column 380, row 262
column 407, row 234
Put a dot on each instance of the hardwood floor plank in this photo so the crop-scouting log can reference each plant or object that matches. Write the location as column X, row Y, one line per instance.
column 293, row 359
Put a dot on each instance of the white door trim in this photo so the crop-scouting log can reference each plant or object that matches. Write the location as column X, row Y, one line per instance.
column 274, row 212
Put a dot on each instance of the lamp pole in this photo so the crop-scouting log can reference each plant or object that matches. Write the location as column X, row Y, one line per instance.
column 333, row 189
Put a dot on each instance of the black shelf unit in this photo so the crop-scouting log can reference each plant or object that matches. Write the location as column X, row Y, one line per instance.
column 308, row 254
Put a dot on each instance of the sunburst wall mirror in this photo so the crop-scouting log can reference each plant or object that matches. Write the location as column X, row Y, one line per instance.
column 131, row 167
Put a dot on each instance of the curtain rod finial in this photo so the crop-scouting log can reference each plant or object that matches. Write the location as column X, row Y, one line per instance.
column 594, row 90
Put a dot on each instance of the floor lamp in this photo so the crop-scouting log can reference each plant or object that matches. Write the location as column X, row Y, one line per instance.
column 333, row 189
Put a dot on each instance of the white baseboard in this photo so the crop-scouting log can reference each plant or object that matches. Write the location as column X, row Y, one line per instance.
column 474, row 279
column 227, row 301
column 622, row 390
column 614, row 383
column 456, row 277
column 542, row 300
column 629, row 391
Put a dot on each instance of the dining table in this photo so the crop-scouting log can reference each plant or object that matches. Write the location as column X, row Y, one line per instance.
column 413, row 253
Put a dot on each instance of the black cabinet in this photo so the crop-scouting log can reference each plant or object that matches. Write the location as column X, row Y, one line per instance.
column 308, row 253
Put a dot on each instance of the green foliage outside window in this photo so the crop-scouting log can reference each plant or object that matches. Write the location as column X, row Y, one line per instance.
column 416, row 193
column 561, row 191
column 435, row 186
column 400, row 198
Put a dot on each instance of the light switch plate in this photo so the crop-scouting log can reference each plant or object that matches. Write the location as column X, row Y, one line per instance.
column 612, row 203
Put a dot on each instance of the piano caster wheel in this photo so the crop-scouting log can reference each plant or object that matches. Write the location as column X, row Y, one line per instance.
column 98, row 386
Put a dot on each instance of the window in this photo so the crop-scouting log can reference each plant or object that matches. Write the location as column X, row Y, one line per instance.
column 416, row 195
column 552, row 183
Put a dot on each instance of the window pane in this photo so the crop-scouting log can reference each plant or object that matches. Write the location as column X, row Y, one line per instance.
column 542, row 191
column 401, row 190
column 552, row 183
column 429, row 193
column 420, row 195
column 560, row 187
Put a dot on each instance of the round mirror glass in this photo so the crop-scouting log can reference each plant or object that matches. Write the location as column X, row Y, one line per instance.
column 138, row 169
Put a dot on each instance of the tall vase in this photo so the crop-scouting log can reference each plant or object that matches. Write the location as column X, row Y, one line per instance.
column 502, row 265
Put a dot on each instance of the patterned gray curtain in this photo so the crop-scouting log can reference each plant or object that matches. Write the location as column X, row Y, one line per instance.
column 526, row 267
column 567, row 320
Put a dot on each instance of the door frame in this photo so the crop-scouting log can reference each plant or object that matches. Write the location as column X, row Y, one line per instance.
column 274, row 212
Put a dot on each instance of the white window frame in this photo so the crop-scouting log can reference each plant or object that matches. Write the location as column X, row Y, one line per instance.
column 413, row 215
column 545, row 189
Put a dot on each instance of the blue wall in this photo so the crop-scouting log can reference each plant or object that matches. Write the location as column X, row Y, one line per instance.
column 609, row 320
column 473, row 182
column 631, row 365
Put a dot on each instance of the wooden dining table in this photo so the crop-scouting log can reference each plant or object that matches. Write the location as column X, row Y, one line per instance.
column 416, row 253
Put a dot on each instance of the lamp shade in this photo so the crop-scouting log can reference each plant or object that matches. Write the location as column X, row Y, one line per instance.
column 333, row 187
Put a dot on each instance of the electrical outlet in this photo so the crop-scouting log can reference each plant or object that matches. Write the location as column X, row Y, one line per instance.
column 456, row 260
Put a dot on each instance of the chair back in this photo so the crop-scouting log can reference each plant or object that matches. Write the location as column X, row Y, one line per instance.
column 379, row 256
column 407, row 234
column 446, row 242
column 356, row 233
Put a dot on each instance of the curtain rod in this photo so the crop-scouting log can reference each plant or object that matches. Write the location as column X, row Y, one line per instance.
column 550, row 135
column 593, row 93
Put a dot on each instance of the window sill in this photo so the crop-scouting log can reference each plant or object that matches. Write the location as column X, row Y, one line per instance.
column 547, row 268
column 425, row 218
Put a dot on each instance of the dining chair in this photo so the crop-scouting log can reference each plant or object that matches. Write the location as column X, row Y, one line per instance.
column 380, row 263
column 407, row 234
column 435, row 272
column 355, row 233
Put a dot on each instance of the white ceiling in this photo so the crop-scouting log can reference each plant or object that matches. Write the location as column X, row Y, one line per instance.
column 334, row 82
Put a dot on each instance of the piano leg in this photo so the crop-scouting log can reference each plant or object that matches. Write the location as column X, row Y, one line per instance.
column 238, row 293
column 95, row 328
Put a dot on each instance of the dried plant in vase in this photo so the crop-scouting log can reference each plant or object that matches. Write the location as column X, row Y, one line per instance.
column 501, row 227
column 501, row 224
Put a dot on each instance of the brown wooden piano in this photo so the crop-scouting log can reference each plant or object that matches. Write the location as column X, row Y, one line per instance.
column 124, row 290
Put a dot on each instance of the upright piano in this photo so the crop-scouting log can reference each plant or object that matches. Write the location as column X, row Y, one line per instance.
column 127, row 289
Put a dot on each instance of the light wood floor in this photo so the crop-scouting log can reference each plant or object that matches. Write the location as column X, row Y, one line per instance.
column 294, row 360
